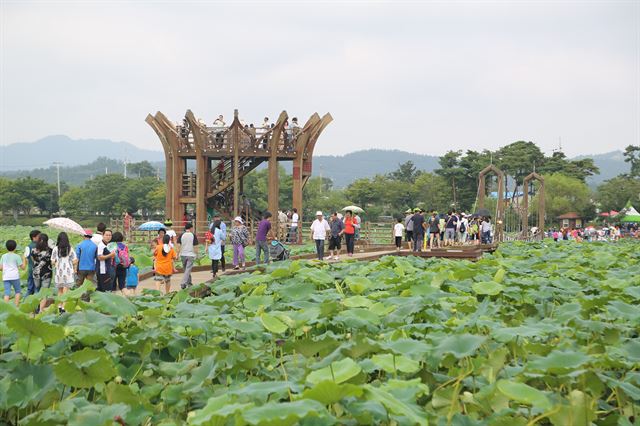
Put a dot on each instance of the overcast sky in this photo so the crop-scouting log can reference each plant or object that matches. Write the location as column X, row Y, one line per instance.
column 425, row 77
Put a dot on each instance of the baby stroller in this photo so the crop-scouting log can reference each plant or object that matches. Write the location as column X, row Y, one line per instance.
column 277, row 251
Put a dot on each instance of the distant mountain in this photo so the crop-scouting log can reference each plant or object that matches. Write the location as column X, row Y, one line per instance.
column 82, row 159
column 346, row 168
column 77, row 175
column 69, row 152
column 611, row 164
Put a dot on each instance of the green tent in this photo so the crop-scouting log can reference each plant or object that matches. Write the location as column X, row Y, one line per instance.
column 630, row 214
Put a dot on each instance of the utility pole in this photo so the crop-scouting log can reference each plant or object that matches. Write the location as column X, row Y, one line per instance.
column 57, row 164
column 125, row 168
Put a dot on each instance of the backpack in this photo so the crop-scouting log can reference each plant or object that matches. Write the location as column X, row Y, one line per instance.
column 122, row 256
column 463, row 228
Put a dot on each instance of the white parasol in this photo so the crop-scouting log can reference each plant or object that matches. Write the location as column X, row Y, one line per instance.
column 354, row 209
column 65, row 224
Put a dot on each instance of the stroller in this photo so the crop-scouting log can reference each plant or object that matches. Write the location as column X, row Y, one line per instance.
column 277, row 251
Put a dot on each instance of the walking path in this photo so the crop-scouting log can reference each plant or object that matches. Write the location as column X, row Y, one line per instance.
column 204, row 276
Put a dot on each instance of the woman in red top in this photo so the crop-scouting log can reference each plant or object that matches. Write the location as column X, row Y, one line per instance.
column 349, row 231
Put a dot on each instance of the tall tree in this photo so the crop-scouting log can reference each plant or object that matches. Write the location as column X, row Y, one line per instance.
column 517, row 160
column 450, row 170
column 614, row 193
column 565, row 194
column 406, row 172
column 632, row 156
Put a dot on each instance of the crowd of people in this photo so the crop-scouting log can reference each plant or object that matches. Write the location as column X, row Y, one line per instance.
column 102, row 257
column 424, row 230
column 591, row 233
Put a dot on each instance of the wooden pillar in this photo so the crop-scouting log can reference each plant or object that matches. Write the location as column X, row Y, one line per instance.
column 541, row 205
column 273, row 179
column 481, row 189
column 235, row 140
column 202, row 169
column 525, row 208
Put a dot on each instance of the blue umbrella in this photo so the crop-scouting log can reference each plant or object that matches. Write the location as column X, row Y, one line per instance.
column 151, row 226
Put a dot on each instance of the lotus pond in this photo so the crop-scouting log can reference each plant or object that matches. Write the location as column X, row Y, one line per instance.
column 533, row 334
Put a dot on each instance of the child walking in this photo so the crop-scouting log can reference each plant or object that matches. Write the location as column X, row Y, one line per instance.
column 398, row 230
column 133, row 277
column 10, row 263
column 239, row 236
column 164, row 257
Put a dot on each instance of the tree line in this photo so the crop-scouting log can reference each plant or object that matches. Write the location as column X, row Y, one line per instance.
column 453, row 185
column 108, row 194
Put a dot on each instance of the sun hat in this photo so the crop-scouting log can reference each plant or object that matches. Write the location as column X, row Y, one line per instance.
column 318, row 213
column 88, row 233
column 168, row 222
column 416, row 210
column 238, row 219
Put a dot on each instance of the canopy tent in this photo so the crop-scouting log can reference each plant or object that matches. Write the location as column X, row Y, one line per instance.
column 630, row 215
column 611, row 213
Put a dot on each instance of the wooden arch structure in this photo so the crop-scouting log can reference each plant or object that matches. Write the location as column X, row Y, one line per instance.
column 225, row 155
column 525, row 205
column 499, row 219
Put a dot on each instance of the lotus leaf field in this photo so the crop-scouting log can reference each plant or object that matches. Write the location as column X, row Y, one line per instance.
column 536, row 333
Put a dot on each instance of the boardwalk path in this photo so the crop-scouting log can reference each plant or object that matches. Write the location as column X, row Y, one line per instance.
column 204, row 276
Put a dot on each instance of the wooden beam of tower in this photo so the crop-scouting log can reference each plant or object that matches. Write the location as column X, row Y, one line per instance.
column 311, row 144
column 236, row 128
column 168, row 135
column 273, row 181
column 297, row 178
column 202, row 167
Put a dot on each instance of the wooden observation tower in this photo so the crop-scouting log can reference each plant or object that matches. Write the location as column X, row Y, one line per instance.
column 206, row 165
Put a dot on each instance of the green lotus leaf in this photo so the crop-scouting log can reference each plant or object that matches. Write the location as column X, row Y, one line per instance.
column 460, row 345
column 524, row 394
column 113, row 304
column 394, row 363
column 358, row 285
column 85, row 368
column 273, row 324
column 396, row 406
column 408, row 347
column 329, row 392
column 357, row 302
column 284, row 413
column 338, row 372
column 490, row 288
column 559, row 361
column 25, row 326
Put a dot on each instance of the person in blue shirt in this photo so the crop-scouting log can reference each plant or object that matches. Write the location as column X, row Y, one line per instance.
column 132, row 277
column 86, row 253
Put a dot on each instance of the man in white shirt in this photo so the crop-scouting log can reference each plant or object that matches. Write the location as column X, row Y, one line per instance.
column 319, row 229
column 97, row 237
column 219, row 122
column 187, row 242
column 293, row 232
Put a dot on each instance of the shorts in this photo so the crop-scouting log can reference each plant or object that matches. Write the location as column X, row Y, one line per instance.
column 81, row 276
column 42, row 282
column 408, row 236
column 11, row 283
column 450, row 233
column 165, row 278
column 335, row 243
column 398, row 242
